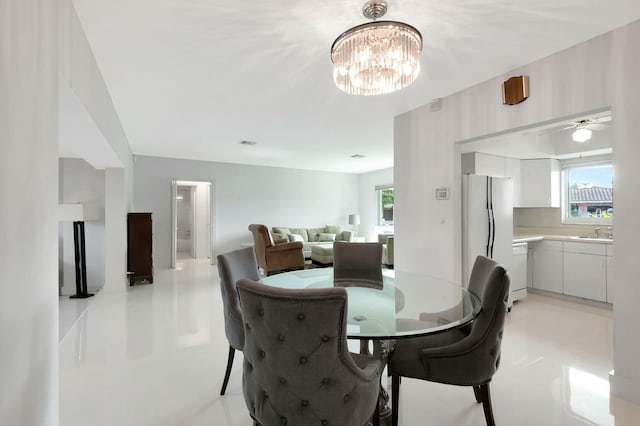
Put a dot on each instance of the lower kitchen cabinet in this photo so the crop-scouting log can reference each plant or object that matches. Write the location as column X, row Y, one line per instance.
column 547, row 266
column 577, row 269
column 585, row 275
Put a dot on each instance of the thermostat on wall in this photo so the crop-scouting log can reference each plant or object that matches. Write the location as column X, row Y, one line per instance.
column 442, row 193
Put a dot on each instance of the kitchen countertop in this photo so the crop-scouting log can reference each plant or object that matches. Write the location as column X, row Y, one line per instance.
column 531, row 238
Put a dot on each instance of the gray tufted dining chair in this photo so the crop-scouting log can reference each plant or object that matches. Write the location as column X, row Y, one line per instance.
column 297, row 368
column 357, row 264
column 467, row 356
column 233, row 266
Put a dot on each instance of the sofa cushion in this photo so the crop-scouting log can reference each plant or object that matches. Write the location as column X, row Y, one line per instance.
column 326, row 237
column 280, row 230
column 300, row 231
column 295, row 237
column 314, row 233
column 332, row 229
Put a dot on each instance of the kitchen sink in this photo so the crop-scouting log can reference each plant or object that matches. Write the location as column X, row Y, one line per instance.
column 593, row 237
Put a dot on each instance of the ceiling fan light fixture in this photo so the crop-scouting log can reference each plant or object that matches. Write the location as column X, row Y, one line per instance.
column 582, row 134
column 377, row 57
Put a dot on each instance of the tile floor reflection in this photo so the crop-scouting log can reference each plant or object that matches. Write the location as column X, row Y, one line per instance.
column 155, row 355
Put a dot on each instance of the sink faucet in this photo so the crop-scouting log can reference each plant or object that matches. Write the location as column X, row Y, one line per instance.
column 597, row 231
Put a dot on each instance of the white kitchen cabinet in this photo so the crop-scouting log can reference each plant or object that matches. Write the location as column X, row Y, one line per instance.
column 547, row 266
column 478, row 163
column 585, row 275
column 512, row 169
column 540, row 183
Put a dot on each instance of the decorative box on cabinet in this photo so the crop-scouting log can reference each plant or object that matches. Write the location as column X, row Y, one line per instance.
column 139, row 245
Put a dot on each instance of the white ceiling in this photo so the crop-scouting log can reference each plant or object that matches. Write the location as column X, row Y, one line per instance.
column 192, row 78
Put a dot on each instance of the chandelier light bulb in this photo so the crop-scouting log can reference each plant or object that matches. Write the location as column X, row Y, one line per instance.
column 582, row 134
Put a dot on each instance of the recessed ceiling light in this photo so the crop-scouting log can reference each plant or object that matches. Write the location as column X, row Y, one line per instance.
column 357, row 156
column 250, row 143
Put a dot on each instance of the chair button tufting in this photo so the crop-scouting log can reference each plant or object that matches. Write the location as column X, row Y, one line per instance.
column 261, row 312
column 325, row 339
column 324, row 422
column 283, row 420
column 303, row 360
column 262, row 354
column 282, row 380
column 280, row 337
column 265, row 395
column 300, row 317
column 326, row 381
column 304, row 403
column 347, row 397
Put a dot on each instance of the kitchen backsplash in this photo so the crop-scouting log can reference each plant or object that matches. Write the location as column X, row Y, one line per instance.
column 548, row 221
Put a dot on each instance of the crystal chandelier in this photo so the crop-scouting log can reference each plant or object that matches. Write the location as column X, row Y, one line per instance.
column 377, row 57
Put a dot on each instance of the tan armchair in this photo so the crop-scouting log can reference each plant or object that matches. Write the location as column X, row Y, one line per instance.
column 275, row 257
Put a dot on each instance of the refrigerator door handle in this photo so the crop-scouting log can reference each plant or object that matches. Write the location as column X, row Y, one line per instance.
column 493, row 221
column 488, row 191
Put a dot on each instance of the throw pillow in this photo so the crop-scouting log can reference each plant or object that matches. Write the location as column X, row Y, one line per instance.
column 327, row 237
column 295, row 237
column 314, row 233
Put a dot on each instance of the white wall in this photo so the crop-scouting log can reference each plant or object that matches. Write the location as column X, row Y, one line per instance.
column 242, row 195
column 80, row 71
column 82, row 184
column 603, row 72
column 203, row 219
column 28, row 219
column 367, row 183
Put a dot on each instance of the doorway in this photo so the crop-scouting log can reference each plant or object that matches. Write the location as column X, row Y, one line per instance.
column 192, row 221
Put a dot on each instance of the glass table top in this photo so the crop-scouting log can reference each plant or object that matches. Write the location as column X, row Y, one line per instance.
column 406, row 305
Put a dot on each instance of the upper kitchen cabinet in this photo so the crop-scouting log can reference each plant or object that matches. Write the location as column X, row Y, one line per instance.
column 478, row 163
column 540, row 183
column 512, row 169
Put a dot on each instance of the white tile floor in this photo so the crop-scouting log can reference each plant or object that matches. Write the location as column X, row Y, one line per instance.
column 155, row 355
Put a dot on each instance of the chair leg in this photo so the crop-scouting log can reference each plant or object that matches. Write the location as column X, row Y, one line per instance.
column 476, row 392
column 485, row 397
column 395, row 399
column 232, row 352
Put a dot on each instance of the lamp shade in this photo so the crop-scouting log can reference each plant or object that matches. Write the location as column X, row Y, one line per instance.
column 354, row 219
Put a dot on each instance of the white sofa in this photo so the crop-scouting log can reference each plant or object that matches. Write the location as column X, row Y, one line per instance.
column 309, row 237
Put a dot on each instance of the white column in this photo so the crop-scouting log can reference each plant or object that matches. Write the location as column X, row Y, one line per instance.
column 28, row 216
column 626, row 151
column 115, row 222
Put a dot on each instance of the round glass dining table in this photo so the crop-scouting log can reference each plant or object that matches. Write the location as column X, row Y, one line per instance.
column 404, row 305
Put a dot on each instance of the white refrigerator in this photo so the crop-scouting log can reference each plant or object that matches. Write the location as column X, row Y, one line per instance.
column 487, row 221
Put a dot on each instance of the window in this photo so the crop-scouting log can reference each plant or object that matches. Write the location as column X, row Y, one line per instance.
column 384, row 203
column 588, row 193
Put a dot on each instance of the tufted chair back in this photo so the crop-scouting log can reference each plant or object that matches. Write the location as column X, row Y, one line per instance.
column 357, row 264
column 232, row 267
column 297, row 367
column 475, row 359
